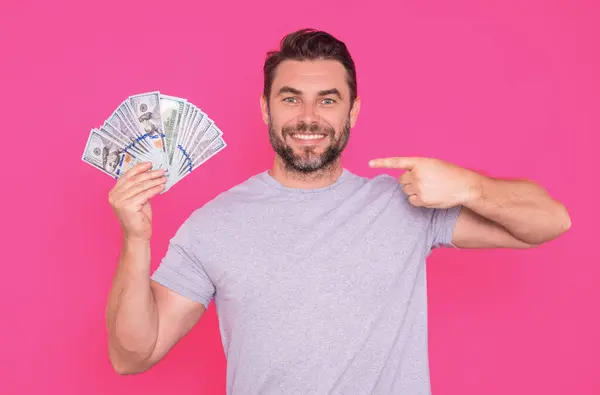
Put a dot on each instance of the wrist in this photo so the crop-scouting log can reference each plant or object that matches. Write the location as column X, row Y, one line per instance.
column 135, row 242
column 476, row 187
column 135, row 254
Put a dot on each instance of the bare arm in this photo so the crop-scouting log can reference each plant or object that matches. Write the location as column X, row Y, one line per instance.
column 144, row 320
column 494, row 213
column 132, row 316
column 509, row 214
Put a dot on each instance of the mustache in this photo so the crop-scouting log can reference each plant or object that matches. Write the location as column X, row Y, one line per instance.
column 303, row 127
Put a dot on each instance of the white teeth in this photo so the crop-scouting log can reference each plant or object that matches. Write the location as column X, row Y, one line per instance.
column 308, row 136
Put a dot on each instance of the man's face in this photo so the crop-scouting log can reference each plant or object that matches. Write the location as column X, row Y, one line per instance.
column 309, row 114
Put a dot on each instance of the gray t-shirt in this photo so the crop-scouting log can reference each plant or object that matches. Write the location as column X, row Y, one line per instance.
column 317, row 291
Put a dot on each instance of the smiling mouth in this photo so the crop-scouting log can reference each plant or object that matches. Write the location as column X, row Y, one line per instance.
column 304, row 136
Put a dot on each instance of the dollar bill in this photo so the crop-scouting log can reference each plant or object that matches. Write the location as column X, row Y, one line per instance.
column 171, row 109
column 188, row 109
column 213, row 133
column 118, row 122
column 129, row 146
column 197, row 129
column 107, row 155
column 148, row 118
column 170, row 132
column 191, row 115
column 146, row 109
column 189, row 158
column 214, row 148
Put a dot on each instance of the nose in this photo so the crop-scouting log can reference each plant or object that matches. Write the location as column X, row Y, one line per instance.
column 308, row 114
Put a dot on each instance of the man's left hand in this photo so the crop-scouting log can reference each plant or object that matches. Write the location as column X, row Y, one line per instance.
column 433, row 183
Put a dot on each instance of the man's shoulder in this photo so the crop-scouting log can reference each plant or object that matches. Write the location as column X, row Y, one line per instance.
column 386, row 190
column 231, row 200
column 378, row 184
column 251, row 188
column 382, row 181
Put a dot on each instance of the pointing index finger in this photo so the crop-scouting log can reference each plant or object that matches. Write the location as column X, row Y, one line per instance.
column 393, row 163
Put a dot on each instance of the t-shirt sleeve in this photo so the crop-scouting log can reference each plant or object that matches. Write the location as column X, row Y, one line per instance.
column 441, row 226
column 181, row 271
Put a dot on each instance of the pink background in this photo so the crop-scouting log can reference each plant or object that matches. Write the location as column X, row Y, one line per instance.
column 506, row 87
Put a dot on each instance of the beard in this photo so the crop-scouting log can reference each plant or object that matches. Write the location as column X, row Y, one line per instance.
column 308, row 161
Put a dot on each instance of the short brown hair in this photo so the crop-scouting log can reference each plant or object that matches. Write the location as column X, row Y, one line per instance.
column 309, row 44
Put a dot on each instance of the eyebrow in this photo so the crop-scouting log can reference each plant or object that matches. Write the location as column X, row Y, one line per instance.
column 294, row 91
column 333, row 91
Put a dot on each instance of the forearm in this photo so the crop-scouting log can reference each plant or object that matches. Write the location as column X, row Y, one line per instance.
column 522, row 207
column 132, row 317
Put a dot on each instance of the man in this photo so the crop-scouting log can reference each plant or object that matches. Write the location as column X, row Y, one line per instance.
column 318, row 275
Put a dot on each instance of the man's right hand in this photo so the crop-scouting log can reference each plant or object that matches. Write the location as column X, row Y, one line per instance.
column 130, row 200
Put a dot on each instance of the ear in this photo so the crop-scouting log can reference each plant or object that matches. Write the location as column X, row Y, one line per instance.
column 264, row 109
column 354, row 111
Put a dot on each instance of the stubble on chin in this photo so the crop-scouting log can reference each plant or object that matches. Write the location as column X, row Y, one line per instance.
column 309, row 163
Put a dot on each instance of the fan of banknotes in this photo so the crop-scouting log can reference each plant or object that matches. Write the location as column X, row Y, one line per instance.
column 168, row 131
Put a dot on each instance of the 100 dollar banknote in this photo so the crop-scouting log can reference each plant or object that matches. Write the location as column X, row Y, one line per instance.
column 170, row 132
column 107, row 155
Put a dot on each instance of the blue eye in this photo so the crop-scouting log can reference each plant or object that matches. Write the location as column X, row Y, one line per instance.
column 289, row 99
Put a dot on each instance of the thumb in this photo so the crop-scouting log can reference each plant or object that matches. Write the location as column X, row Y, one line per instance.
column 402, row 162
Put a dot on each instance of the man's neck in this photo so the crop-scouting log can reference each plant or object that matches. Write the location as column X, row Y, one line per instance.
column 315, row 180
